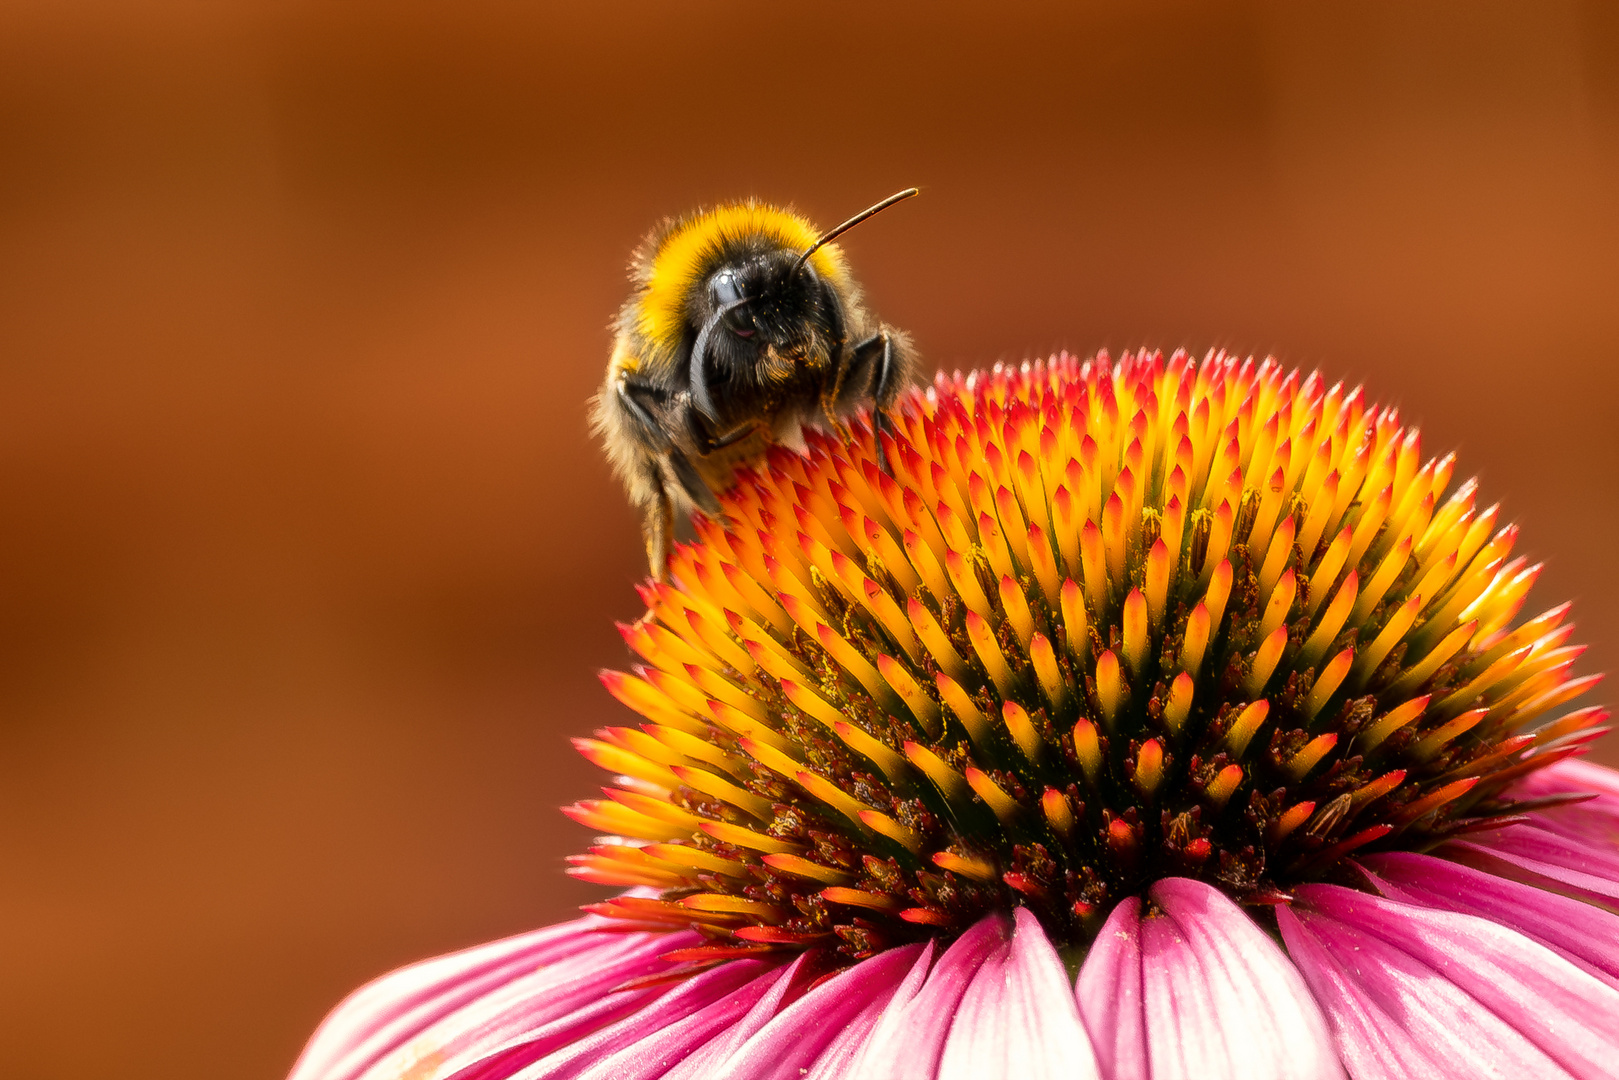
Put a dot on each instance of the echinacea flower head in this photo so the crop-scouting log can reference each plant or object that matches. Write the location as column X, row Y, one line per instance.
column 1123, row 719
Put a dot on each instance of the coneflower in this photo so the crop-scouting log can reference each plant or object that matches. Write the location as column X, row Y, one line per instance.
column 1143, row 719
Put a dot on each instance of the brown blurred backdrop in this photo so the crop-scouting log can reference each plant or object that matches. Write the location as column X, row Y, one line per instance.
column 306, row 558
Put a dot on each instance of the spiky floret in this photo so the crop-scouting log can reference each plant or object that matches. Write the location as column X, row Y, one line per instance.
column 1104, row 623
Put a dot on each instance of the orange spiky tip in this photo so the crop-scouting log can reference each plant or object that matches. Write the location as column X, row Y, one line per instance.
column 1091, row 623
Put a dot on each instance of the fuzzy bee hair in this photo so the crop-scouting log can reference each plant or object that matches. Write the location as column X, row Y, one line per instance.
column 743, row 325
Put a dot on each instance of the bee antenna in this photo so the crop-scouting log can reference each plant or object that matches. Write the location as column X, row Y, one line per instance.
column 833, row 233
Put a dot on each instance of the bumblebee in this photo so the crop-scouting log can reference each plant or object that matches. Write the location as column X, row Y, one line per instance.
column 744, row 325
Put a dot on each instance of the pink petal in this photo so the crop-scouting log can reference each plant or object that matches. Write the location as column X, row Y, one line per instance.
column 850, row 1001
column 532, row 1014
column 841, row 1056
column 1220, row 999
column 1109, row 995
column 671, row 1045
column 1573, row 775
column 556, row 989
column 1018, row 1017
column 1539, row 856
column 703, row 1062
column 1593, row 821
column 501, row 1061
column 390, row 1011
column 1581, row 933
column 908, row 1040
column 1551, row 1003
column 685, row 1006
column 1586, row 823
column 1396, row 1019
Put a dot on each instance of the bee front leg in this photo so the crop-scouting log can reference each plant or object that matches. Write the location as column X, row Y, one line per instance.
column 661, row 463
column 658, row 525
column 708, row 439
column 831, row 392
column 648, row 407
column 634, row 408
column 878, row 350
column 692, row 483
column 638, row 400
column 829, row 410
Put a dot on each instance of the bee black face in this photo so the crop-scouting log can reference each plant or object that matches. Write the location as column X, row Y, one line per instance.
column 759, row 306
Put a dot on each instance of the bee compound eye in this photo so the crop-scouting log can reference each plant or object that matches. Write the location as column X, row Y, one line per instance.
column 724, row 288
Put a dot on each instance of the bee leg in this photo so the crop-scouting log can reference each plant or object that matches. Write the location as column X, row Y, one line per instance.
column 638, row 399
column 878, row 349
column 708, row 438
column 732, row 437
column 692, row 484
column 657, row 508
column 830, row 403
column 829, row 410
column 658, row 527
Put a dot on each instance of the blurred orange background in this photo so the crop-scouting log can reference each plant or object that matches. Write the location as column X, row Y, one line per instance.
column 307, row 559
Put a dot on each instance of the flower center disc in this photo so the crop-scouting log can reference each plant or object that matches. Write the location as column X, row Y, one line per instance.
column 1097, row 624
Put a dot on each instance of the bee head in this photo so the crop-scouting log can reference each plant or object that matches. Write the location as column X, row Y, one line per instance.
column 764, row 303
column 767, row 307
